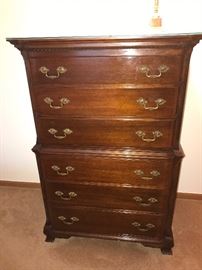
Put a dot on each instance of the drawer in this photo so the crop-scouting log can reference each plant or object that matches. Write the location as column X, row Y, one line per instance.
column 107, row 196
column 97, row 221
column 152, row 103
column 101, row 132
column 123, row 170
column 67, row 70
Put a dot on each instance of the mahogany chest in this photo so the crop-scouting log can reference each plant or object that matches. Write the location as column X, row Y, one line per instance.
column 108, row 114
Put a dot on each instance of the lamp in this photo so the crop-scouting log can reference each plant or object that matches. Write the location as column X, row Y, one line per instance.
column 156, row 20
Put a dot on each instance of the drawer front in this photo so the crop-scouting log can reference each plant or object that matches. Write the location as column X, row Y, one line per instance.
column 138, row 172
column 155, row 69
column 119, row 133
column 107, row 197
column 153, row 103
column 94, row 221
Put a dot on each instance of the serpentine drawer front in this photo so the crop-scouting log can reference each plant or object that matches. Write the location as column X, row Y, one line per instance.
column 108, row 114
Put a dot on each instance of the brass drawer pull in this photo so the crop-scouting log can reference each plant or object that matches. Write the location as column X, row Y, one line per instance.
column 71, row 195
column 72, row 220
column 140, row 173
column 57, row 169
column 143, row 102
column 49, row 101
column 66, row 131
column 59, row 70
column 142, row 228
column 149, row 202
column 146, row 70
column 142, row 134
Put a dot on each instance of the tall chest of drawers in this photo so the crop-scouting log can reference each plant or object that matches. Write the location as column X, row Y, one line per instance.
column 108, row 114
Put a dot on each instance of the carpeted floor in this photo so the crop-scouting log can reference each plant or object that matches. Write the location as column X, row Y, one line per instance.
column 22, row 245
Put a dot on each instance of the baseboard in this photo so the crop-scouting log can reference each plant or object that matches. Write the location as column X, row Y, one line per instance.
column 20, row 184
column 191, row 196
column 180, row 195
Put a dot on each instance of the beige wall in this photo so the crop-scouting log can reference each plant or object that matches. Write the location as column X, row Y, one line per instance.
column 87, row 17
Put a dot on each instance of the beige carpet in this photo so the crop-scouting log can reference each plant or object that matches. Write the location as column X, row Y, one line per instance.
column 22, row 245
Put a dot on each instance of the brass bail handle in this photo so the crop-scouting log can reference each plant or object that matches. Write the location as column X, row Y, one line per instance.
column 146, row 70
column 143, row 228
column 57, row 170
column 62, row 101
column 71, row 220
column 141, row 174
column 69, row 196
column 66, row 132
column 156, row 134
column 143, row 102
column 150, row 201
column 59, row 70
